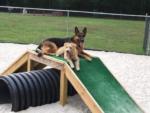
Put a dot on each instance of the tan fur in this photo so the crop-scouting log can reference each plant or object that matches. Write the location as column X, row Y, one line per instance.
column 69, row 50
column 80, row 48
column 48, row 48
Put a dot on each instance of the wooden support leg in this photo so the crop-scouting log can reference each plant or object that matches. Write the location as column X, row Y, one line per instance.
column 63, row 88
column 29, row 65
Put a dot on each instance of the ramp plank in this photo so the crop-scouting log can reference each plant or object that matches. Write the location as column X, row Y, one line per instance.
column 105, row 89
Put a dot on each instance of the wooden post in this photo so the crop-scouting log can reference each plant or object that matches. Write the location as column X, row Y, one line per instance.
column 29, row 65
column 63, row 87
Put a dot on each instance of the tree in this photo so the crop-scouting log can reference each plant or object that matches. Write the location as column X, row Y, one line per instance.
column 115, row 6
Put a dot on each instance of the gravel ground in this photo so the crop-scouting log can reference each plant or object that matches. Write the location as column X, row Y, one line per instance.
column 132, row 71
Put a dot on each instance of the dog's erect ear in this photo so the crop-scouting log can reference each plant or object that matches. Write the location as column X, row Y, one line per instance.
column 76, row 30
column 84, row 30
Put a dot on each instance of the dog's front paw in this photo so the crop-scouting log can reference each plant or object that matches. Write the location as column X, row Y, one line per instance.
column 78, row 68
column 72, row 66
column 57, row 54
column 89, row 58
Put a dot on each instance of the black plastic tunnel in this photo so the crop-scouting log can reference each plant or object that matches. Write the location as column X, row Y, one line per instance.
column 31, row 88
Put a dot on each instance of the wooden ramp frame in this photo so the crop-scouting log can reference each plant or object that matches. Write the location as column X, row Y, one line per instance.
column 95, row 84
column 30, row 61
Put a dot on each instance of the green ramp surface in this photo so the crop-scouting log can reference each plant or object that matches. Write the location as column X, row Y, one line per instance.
column 104, row 88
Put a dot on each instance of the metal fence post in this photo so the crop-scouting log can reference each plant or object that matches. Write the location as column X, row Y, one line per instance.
column 148, row 40
column 67, row 21
column 146, row 44
column 24, row 11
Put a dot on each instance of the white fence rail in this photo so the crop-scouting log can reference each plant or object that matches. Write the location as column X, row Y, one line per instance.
column 76, row 11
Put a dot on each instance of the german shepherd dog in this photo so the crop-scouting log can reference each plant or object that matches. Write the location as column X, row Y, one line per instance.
column 78, row 39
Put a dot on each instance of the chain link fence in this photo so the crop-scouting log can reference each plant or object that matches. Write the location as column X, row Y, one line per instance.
column 106, row 31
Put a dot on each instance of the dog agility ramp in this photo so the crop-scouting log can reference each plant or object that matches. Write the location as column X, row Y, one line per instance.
column 94, row 83
column 104, row 88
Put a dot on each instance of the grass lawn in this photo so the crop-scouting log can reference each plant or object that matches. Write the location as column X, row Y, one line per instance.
column 104, row 34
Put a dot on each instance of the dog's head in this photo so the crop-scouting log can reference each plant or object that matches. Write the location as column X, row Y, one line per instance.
column 79, row 37
column 70, row 49
column 80, row 34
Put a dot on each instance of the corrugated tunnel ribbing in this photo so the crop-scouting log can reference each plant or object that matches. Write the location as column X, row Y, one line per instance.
column 31, row 88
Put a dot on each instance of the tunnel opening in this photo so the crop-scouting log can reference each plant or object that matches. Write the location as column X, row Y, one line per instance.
column 5, row 96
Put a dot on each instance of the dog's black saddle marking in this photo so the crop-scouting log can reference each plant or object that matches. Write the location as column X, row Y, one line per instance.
column 59, row 41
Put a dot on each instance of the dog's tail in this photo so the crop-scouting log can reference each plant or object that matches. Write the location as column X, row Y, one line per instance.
column 39, row 51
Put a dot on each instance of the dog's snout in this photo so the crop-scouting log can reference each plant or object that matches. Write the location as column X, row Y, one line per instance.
column 82, row 40
column 68, row 50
